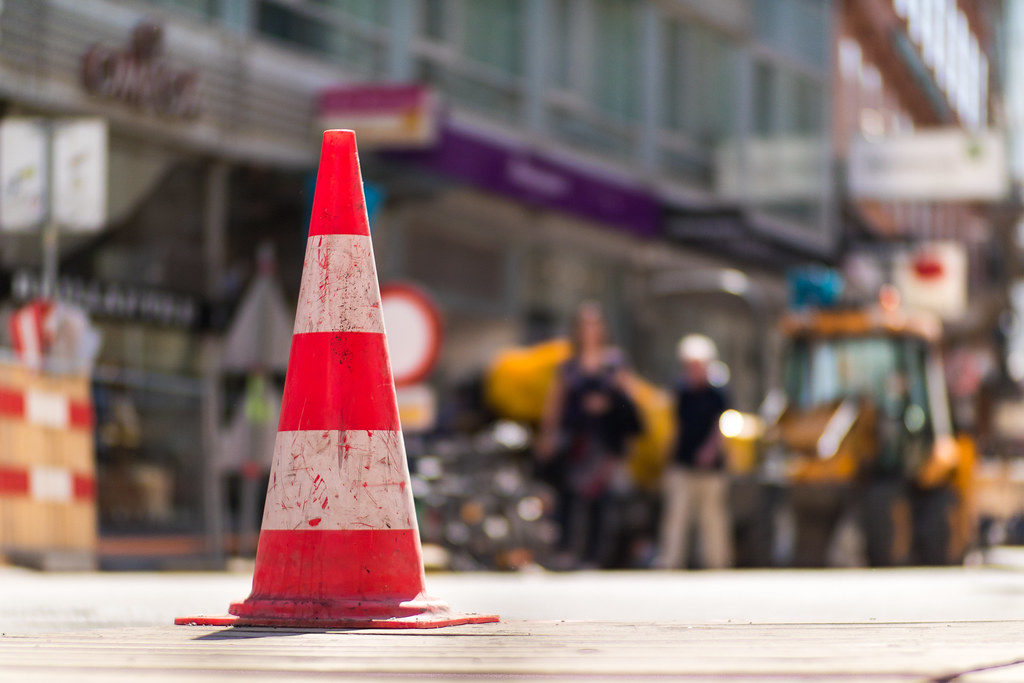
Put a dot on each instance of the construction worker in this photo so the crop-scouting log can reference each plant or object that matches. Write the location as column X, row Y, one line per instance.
column 695, row 485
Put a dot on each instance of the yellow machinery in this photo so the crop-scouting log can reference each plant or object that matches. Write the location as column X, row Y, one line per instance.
column 862, row 422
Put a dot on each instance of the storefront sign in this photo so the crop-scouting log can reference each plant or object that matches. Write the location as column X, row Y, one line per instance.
column 113, row 300
column 772, row 170
column 511, row 169
column 381, row 114
column 930, row 165
column 934, row 277
column 139, row 76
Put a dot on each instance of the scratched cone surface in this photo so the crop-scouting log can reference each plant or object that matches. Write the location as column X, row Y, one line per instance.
column 339, row 545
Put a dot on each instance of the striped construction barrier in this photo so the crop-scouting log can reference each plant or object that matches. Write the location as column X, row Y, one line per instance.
column 47, row 469
column 339, row 545
column 45, row 408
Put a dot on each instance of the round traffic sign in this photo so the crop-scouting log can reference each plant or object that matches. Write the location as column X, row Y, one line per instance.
column 413, row 326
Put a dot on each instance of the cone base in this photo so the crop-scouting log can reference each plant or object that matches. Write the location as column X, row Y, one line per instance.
column 426, row 620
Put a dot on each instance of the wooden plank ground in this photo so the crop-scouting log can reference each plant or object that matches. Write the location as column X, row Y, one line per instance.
column 894, row 625
column 570, row 650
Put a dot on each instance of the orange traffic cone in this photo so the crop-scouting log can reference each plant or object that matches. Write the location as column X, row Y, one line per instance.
column 339, row 546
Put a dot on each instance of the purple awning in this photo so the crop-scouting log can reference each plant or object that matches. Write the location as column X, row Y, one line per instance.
column 512, row 170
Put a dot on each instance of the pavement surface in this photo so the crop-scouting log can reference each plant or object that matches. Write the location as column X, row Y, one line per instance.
column 952, row 624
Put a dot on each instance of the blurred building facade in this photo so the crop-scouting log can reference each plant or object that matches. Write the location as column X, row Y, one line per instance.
column 909, row 75
column 670, row 159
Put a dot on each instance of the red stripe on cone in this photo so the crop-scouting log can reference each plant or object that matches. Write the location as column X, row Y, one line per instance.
column 353, row 564
column 349, row 378
column 338, row 204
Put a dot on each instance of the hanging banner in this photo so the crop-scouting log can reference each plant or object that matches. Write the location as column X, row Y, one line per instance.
column 77, row 186
column 383, row 115
column 930, row 165
column 80, row 174
column 22, row 174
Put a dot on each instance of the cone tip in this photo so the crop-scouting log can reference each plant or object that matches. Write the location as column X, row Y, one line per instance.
column 339, row 136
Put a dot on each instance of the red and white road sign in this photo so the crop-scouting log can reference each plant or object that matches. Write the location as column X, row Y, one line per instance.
column 413, row 324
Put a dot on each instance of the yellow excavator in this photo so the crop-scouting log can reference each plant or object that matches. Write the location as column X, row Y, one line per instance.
column 861, row 424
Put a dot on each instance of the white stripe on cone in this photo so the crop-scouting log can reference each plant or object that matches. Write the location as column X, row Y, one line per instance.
column 47, row 409
column 333, row 480
column 339, row 286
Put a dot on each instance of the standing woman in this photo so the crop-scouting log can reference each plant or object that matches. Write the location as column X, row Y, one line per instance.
column 588, row 421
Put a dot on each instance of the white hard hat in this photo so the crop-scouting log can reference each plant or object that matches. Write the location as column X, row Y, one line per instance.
column 697, row 347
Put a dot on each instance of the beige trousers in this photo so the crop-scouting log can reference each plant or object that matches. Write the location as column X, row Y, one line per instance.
column 689, row 493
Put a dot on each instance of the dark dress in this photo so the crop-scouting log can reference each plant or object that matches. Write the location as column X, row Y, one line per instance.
column 592, row 442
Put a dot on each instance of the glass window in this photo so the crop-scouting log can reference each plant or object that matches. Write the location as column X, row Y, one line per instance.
column 492, row 33
column 201, row 8
column 677, row 88
column 306, row 30
column 888, row 371
column 367, row 10
column 764, row 98
column 560, row 50
column 434, row 19
column 615, row 63
column 700, row 63
column 809, row 99
column 714, row 67
column 797, row 28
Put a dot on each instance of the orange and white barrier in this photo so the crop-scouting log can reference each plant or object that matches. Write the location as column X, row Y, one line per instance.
column 339, row 545
column 45, row 409
column 49, row 484
column 47, row 468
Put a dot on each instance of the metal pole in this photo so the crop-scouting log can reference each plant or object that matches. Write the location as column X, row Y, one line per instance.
column 50, row 231
column 209, row 405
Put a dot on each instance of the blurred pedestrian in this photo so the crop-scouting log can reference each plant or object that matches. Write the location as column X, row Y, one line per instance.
column 695, row 484
column 588, row 421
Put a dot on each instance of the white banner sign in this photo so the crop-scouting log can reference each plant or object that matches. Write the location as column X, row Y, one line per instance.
column 22, row 173
column 773, row 170
column 930, row 165
column 80, row 174
column 79, row 177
